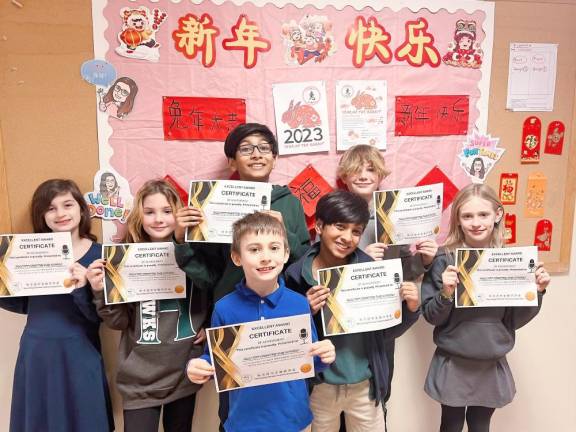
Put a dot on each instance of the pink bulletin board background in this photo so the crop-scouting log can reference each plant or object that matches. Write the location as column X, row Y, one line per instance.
column 135, row 147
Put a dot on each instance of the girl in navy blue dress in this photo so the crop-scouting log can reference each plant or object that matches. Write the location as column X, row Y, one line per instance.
column 59, row 381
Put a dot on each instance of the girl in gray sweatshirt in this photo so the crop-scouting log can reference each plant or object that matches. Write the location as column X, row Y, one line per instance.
column 469, row 374
column 158, row 336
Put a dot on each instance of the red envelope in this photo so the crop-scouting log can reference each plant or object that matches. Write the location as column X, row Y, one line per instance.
column 436, row 175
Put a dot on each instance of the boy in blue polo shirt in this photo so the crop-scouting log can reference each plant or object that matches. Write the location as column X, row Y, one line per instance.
column 260, row 246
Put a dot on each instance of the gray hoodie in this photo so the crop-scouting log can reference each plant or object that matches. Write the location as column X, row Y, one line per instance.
column 156, row 343
column 473, row 333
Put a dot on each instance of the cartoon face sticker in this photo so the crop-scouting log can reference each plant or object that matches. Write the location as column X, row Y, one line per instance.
column 118, row 100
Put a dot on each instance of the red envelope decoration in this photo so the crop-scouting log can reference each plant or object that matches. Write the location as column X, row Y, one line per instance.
column 531, row 132
column 436, row 175
column 555, row 138
column 543, row 235
column 510, row 228
column 508, row 188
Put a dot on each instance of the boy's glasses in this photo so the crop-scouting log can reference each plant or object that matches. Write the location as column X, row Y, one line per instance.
column 248, row 149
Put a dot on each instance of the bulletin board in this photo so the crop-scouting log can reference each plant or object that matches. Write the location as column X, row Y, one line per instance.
column 559, row 170
column 48, row 119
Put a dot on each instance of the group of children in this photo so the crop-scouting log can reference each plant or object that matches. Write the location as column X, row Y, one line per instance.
column 269, row 271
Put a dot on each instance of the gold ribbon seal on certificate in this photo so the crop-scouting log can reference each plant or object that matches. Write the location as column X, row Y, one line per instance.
column 335, row 324
column 116, row 257
column 5, row 276
column 200, row 193
column 468, row 262
column 219, row 338
column 385, row 204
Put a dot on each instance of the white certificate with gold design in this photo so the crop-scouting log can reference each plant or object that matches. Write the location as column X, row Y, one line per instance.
column 363, row 297
column 142, row 272
column 404, row 216
column 35, row 264
column 497, row 277
column 223, row 202
column 261, row 352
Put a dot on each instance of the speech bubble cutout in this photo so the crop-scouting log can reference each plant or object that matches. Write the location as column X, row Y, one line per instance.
column 98, row 72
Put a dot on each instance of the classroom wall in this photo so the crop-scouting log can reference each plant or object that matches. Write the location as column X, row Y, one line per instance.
column 48, row 129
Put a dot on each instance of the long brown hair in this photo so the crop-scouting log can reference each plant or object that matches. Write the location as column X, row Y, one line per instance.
column 42, row 198
column 135, row 232
column 455, row 237
column 126, row 106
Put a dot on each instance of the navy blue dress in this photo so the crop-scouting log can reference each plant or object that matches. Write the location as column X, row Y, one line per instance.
column 59, row 381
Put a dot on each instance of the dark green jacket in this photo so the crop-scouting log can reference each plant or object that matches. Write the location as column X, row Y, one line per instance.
column 209, row 265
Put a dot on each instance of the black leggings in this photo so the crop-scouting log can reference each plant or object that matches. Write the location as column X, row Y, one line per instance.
column 177, row 417
column 477, row 418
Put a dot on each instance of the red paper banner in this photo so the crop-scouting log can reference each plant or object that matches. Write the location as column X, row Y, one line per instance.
column 436, row 175
column 198, row 118
column 431, row 115
column 309, row 186
column 181, row 191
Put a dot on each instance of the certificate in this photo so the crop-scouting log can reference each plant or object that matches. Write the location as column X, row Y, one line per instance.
column 404, row 216
column 497, row 277
column 141, row 272
column 261, row 352
column 223, row 202
column 363, row 297
column 35, row 264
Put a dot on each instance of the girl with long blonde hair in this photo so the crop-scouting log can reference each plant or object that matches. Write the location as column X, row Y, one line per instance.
column 158, row 336
column 469, row 374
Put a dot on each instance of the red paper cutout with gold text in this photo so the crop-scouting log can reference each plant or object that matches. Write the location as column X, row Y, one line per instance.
column 555, row 138
column 309, row 186
column 436, row 175
column 543, row 235
column 508, row 188
column 181, row 191
column 199, row 118
column 510, row 228
column 431, row 115
column 531, row 131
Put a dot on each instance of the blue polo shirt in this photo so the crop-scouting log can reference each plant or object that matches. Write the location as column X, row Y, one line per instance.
column 280, row 406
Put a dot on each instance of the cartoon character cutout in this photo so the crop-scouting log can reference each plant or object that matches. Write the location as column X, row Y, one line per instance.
column 309, row 39
column 464, row 51
column 138, row 36
column 118, row 100
column 109, row 187
column 477, row 169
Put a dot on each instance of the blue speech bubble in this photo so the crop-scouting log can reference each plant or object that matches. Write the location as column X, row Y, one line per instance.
column 98, row 72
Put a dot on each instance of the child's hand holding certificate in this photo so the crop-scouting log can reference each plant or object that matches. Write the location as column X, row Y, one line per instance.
column 363, row 297
column 497, row 277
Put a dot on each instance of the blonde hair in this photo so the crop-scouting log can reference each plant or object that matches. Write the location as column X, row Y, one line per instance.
column 455, row 237
column 257, row 223
column 135, row 232
column 353, row 160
